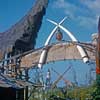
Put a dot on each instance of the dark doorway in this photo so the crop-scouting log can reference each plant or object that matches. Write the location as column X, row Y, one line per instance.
column 11, row 94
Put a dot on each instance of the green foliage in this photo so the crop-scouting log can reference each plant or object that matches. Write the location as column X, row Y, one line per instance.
column 96, row 91
column 78, row 93
column 82, row 93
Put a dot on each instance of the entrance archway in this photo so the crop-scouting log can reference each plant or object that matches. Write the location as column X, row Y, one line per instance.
column 58, row 25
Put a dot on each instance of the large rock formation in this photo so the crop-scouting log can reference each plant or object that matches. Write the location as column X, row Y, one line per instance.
column 22, row 36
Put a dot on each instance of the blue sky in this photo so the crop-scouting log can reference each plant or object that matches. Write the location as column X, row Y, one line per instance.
column 82, row 22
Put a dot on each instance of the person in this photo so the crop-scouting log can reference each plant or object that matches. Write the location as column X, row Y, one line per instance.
column 48, row 77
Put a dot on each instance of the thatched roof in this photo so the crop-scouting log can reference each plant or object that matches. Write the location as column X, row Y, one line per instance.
column 22, row 36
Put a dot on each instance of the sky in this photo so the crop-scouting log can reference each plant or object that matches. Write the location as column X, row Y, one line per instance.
column 82, row 22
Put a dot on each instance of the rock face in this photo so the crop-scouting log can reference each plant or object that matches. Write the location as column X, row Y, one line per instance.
column 22, row 36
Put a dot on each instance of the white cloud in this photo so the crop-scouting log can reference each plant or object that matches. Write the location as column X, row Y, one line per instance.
column 68, row 8
column 85, row 15
column 86, row 22
column 93, row 6
column 60, row 4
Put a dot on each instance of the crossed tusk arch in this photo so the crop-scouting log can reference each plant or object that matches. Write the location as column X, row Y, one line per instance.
column 58, row 25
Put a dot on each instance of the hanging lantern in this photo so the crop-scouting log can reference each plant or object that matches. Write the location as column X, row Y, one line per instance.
column 59, row 35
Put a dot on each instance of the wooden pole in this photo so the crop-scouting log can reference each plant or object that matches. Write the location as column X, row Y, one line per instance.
column 97, row 92
column 26, row 89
